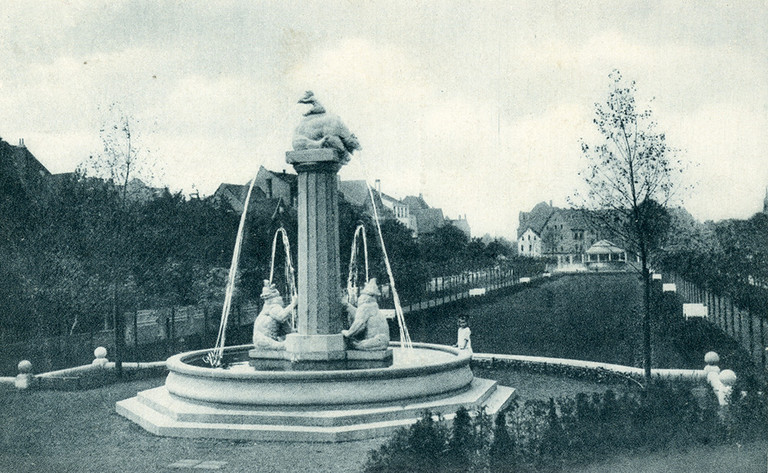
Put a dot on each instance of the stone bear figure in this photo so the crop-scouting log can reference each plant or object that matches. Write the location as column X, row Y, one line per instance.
column 320, row 129
column 273, row 322
column 369, row 330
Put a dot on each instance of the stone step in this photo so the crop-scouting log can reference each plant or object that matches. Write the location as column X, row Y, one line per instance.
column 299, row 426
column 161, row 425
column 499, row 399
column 160, row 400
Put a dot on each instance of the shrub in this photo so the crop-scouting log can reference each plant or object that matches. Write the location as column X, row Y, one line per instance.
column 552, row 435
column 502, row 449
column 748, row 410
column 421, row 447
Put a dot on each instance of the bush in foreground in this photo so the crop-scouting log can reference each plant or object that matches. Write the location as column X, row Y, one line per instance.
column 552, row 435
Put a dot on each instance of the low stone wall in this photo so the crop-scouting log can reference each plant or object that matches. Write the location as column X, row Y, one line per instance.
column 99, row 373
column 581, row 368
column 721, row 381
column 102, row 372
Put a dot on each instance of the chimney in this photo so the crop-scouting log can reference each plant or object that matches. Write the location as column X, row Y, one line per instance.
column 377, row 185
column 21, row 142
column 550, row 203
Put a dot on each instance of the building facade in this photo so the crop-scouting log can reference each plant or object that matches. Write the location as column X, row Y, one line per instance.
column 564, row 234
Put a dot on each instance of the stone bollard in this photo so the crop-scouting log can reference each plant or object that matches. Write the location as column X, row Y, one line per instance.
column 101, row 356
column 721, row 381
column 25, row 378
column 711, row 359
column 727, row 379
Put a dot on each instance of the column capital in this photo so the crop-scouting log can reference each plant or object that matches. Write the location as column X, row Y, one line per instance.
column 322, row 160
column 311, row 156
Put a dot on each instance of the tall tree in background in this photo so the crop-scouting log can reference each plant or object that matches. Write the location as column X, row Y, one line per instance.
column 120, row 162
column 630, row 177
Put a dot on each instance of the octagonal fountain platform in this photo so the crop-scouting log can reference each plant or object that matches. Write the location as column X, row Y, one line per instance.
column 240, row 402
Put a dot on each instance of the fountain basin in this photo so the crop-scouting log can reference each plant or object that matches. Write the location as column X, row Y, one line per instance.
column 310, row 406
column 433, row 371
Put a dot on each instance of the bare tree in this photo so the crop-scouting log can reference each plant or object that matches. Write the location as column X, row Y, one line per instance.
column 631, row 177
column 119, row 163
column 122, row 160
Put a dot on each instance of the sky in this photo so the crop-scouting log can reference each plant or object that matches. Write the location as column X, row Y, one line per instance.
column 478, row 105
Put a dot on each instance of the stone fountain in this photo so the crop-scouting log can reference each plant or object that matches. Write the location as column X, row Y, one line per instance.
column 315, row 388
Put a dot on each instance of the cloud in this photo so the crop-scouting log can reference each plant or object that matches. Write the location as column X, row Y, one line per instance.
column 726, row 142
column 483, row 121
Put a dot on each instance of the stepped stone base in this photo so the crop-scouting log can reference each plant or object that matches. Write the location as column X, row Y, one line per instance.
column 162, row 413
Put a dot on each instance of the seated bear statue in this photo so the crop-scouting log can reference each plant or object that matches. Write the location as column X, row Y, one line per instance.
column 369, row 330
column 274, row 321
column 320, row 129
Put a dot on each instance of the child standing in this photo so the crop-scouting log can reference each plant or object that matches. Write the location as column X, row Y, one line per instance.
column 464, row 341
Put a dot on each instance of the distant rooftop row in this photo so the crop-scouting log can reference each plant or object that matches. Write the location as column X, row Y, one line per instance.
column 272, row 190
column 412, row 211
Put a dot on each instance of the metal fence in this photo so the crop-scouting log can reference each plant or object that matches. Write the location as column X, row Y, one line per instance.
column 743, row 325
column 155, row 334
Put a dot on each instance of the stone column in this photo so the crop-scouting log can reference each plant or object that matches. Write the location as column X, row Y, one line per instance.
column 319, row 306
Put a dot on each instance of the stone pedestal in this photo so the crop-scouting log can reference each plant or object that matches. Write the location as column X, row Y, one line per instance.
column 316, row 347
column 320, row 322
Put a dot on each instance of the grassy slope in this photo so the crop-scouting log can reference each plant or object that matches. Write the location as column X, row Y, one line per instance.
column 585, row 317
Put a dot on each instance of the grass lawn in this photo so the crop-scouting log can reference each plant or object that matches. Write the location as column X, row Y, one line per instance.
column 49, row 431
column 584, row 317
column 595, row 317
column 542, row 386
column 749, row 458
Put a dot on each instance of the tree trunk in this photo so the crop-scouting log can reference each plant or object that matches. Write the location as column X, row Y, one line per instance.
column 119, row 332
column 646, row 319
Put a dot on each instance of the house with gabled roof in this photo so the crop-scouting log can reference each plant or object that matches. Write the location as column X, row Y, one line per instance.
column 400, row 210
column 269, row 185
column 565, row 234
column 356, row 192
column 461, row 223
column 22, row 174
column 415, row 203
column 428, row 219
column 275, row 185
column 530, row 229
column 233, row 196
column 396, row 208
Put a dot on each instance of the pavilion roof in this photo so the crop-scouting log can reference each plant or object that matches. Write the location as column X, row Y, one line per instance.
column 604, row 247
